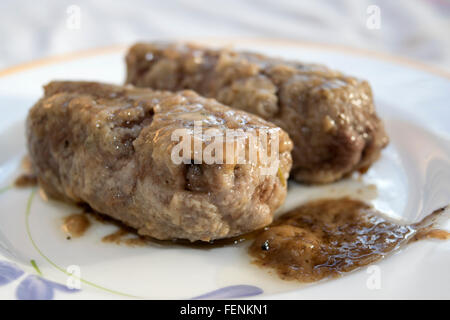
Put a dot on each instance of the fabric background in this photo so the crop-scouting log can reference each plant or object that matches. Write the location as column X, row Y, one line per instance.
column 31, row 29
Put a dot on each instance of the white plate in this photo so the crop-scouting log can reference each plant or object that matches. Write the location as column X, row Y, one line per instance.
column 411, row 179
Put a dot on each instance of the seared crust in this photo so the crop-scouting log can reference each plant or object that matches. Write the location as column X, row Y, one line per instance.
column 329, row 116
column 110, row 147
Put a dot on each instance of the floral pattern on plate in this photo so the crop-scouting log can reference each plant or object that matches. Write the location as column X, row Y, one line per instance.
column 32, row 287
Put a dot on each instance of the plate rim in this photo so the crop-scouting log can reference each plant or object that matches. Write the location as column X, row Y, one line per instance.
column 224, row 41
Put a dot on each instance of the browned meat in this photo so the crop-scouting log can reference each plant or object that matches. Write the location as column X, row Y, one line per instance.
column 110, row 147
column 329, row 116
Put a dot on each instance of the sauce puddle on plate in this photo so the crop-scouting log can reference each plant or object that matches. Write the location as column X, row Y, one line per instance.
column 126, row 237
column 76, row 225
column 27, row 178
column 326, row 238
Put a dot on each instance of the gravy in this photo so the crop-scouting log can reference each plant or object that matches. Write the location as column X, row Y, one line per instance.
column 326, row 238
column 25, row 180
column 76, row 225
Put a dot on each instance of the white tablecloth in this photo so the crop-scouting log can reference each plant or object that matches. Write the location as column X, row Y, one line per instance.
column 31, row 29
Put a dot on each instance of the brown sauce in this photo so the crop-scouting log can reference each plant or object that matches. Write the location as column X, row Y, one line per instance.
column 128, row 236
column 431, row 234
column 327, row 238
column 116, row 236
column 122, row 236
column 25, row 180
column 76, row 225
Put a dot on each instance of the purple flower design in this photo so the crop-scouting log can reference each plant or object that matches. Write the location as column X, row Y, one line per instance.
column 37, row 288
column 9, row 272
column 32, row 287
column 237, row 291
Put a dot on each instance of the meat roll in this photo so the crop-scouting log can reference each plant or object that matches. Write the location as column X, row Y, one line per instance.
column 330, row 117
column 112, row 148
